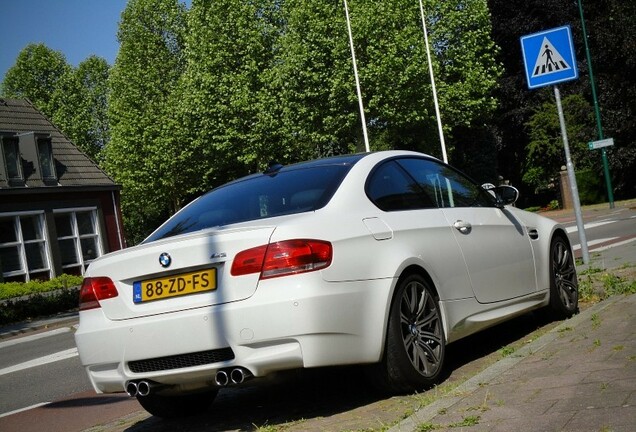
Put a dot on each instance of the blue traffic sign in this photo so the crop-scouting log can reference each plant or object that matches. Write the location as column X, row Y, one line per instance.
column 548, row 57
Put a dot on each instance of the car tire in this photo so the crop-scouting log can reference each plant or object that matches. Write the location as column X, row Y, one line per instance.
column 177, row 406
column 564, row 288
column 415, row 343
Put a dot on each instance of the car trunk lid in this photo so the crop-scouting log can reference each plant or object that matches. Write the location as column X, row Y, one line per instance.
column 179, row 273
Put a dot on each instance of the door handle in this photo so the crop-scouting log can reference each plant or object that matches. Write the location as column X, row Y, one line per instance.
column 463, row 227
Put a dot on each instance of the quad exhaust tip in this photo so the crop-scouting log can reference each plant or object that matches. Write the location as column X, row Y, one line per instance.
column 236, row 375
column 141, row 388
column 223, row 377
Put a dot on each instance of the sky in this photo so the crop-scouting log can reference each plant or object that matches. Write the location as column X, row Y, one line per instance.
column 77, row 28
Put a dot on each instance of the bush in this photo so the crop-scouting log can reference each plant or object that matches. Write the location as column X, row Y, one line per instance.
column 24, row 301
column 10, row 290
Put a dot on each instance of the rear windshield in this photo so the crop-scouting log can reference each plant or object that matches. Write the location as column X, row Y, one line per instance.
column 257, row 197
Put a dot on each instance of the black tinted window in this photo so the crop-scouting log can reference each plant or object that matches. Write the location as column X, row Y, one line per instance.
column 257, row 197
column 392, row 189
column 445, row 186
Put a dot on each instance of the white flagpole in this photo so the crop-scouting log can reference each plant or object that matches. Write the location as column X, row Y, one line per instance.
column 430, row 71
column 355, row 72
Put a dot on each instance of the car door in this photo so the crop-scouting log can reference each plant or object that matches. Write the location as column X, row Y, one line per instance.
column 495, row 245
column 412, row 228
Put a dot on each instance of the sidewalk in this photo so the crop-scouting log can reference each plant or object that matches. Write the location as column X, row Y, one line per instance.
column 581, row 376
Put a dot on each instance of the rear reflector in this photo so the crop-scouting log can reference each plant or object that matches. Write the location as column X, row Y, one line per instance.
column 283, row 258
column 95, row 289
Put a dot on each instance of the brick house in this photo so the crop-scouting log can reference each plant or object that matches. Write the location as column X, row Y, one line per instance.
column 58, row 209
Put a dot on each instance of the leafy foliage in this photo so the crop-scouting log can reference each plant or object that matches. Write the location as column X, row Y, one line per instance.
column 544, row 153
column 313, row 77
column 35, row 75
column 79, row 106
column 16, row 289
column 21, row 301
column 142, row 81
column 251, row 82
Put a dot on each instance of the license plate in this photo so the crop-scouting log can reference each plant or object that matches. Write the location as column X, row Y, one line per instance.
column 173, row 286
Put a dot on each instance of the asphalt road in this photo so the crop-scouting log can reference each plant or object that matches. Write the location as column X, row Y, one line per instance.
column 39, row 369
column 604, row 227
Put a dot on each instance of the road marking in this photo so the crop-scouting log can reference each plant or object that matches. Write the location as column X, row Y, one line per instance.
column 591, row 225
column 24, row 409
column 609, row 246
column 34, row 337
column 62, row 355
column 595, row 242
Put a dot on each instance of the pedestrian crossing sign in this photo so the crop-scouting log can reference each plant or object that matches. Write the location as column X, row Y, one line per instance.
column 548, row 57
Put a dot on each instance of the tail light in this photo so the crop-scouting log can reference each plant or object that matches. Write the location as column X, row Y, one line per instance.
column 283, row 258
column 95, row 289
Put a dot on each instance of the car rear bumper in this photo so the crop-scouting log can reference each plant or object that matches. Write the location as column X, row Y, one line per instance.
column 284, row 325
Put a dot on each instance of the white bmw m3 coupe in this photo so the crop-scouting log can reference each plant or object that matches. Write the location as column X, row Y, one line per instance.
column 375, row 258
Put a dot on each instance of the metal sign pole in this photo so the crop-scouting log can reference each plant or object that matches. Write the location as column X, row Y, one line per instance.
column 572, row 177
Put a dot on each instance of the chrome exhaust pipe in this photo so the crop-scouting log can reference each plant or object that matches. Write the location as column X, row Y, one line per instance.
column 221, row 378
column 132, row 389
column 238, row 375
column 143, row 388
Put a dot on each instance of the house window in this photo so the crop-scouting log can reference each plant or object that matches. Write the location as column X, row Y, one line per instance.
column 23, row 247
column 77, row 238
column 12, row 160
column 45, row 154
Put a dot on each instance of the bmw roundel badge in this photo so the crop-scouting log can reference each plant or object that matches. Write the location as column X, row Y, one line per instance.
column 165, row 260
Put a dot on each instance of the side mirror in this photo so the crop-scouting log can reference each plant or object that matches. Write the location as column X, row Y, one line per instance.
column 503, row 194
column 506, row 195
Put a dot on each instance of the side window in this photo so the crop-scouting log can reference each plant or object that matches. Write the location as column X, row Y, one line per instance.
column 445, row 186
column 391, row 189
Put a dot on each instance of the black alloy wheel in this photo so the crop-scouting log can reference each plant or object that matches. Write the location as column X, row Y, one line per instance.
column 564, row 288
column 415, row 344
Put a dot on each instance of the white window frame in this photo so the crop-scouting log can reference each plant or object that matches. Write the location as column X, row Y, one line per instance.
column 20, row 242
column 77, row 237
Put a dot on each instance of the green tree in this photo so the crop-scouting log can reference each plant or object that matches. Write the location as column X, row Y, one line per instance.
column 79, row 106
column 313, row 75
column 145, row 75
column 313, row 72
column 273, row 79
column 229, row 48
column 35, row 76
column 545, row 154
